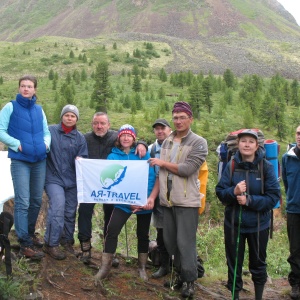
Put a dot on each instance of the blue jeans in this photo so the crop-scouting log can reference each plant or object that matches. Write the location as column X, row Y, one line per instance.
column 28, row 180
column 61, row 214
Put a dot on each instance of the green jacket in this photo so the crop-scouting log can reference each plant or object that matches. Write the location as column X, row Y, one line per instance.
column 191, row 154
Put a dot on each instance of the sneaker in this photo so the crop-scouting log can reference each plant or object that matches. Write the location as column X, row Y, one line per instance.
column 36, row 241
column 54, row 252
column 31, row 252
column 295, row 292
column 188, row 289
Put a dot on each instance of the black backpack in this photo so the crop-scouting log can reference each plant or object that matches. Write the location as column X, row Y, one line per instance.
column 6, row 222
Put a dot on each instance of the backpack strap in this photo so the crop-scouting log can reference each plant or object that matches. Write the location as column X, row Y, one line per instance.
column 153, row 150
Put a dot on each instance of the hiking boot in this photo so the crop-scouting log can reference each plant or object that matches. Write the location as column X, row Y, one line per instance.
column 54, row 252
column 31, row 252
column 164, row 269
column 188, row 289
column 68, row 246
column 174, row 284
column 36, row 241
column 295, row 292
column 85, row 256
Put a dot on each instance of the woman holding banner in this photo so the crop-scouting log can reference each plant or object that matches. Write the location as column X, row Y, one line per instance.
column 249, row 189
column 125, row 150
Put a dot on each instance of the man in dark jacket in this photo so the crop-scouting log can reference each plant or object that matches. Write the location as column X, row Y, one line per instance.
column 100, row 141
column 291, row 180
column 162, row 130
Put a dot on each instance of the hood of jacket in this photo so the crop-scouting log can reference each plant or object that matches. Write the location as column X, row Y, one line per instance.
column 120, row 152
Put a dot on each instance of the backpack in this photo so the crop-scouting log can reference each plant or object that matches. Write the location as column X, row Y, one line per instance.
column 227, row 149
column 202, row 177
column 6, row 222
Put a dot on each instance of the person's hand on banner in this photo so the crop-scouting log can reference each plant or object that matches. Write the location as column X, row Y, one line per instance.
column 136, row 208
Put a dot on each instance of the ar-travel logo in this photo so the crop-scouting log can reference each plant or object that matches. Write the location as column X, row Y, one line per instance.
column 112, row 175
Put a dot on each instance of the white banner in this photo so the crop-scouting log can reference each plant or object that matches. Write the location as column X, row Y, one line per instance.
column 6, row 184
column 112, row 181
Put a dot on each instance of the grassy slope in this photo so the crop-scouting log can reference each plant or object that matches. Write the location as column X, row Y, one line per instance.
column 15, row 62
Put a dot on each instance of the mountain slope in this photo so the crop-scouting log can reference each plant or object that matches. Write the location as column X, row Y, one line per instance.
column 193, row 19
column 246, row 36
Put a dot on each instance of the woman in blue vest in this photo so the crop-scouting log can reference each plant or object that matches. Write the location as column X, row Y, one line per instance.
column 125, row 150
column 249, row 190
column 24, row 129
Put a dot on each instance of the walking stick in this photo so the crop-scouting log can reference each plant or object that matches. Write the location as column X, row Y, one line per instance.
column 237, row 252
column 127, row 258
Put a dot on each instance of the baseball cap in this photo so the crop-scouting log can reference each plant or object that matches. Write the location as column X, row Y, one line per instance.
column 162, row 122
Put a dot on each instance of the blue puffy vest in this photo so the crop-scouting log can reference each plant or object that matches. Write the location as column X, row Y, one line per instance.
column 26, row 125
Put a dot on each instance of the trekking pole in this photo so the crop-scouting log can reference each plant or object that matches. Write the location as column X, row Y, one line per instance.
column 237, row 252
column 127, row 258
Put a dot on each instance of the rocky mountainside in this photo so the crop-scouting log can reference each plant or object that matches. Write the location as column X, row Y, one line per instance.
column 192, row 19
column 247, row 36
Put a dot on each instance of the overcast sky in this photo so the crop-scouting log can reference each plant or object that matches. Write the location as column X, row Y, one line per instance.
column 293, row 7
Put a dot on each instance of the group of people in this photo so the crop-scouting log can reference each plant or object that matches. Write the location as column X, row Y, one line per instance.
column 43, row 158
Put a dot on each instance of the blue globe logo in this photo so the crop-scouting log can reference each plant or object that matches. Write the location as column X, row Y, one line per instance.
column 112, row 175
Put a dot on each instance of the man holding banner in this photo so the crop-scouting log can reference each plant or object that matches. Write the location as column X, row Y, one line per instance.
column 181, row 156
column 100, row 142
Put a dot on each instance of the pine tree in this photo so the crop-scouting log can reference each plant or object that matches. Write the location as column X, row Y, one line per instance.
column 228, row 77
column 76, row 76
column 207, row 93
column 138, row 101
column 228, row 95
column 163, row 75
column 161, row 93
column 83, row 75
column 100, row 94
column 137, row 85
column 58, row 109
column 127, row 102
column 68, row 78
column 51, row 74
column 54, row 84
column 196, row 98
column 133, row 107
column 135, row 70
column 295, row 94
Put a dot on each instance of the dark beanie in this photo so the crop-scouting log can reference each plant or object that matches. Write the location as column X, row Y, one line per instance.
column 182, row 106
